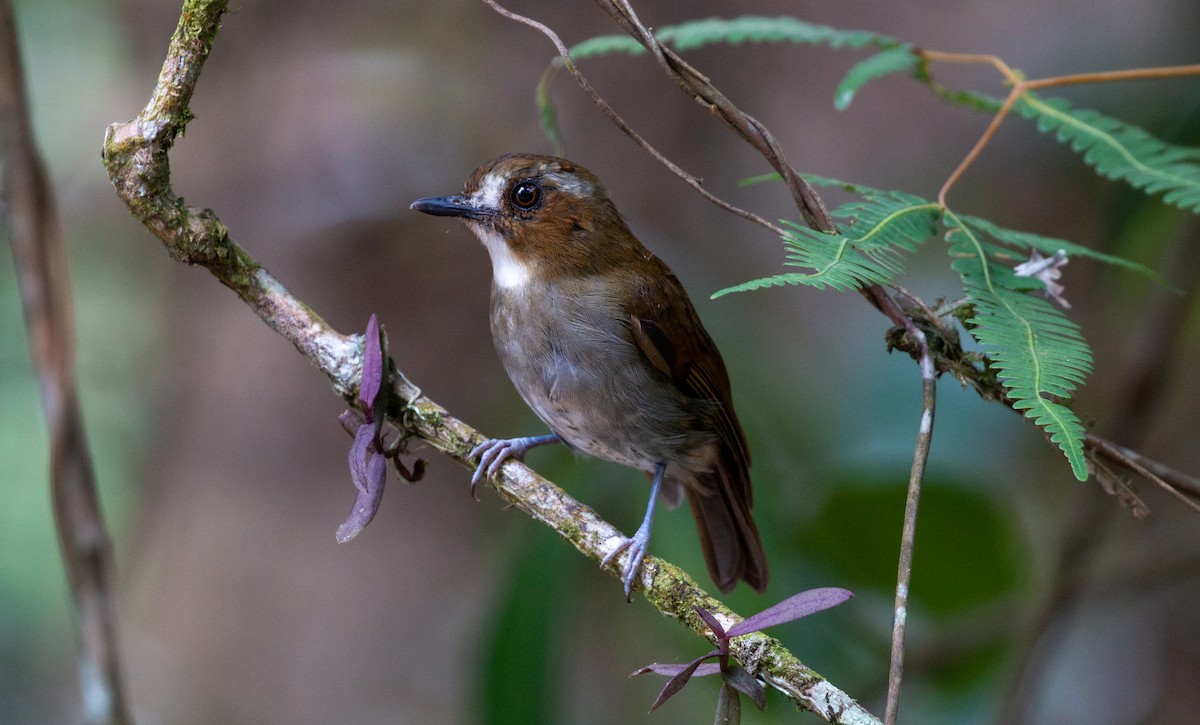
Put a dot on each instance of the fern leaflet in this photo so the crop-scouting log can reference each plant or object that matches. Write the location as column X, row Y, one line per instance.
column 1121, row 151
column 1040, row 355
column 881, row 225
column 893, row 60
column 746, row 29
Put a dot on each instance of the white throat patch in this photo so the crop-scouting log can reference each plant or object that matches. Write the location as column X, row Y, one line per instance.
column 507, row 270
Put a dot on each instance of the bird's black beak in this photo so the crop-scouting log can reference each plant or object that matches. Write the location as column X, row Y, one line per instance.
column 456, row 206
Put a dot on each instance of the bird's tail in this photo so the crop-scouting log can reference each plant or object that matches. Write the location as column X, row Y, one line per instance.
column 720, row 502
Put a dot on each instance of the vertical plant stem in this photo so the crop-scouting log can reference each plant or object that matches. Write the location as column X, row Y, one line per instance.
column 909, row 533
column 31, row 223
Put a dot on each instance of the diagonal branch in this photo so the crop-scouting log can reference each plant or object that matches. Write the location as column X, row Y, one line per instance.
column 135, row 154
column 704, row 92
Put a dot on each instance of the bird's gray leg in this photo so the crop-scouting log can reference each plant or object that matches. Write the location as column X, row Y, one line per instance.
column 640, row 541
column 495, row 451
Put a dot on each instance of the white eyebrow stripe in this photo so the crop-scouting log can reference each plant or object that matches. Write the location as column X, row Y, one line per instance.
column 572, row 184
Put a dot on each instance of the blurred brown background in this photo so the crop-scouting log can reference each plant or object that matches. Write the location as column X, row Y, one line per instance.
column 224, row 469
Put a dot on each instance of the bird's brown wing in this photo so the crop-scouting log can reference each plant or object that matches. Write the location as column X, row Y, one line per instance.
column 669, row 333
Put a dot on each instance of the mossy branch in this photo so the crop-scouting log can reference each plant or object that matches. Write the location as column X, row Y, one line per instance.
column 136, row 156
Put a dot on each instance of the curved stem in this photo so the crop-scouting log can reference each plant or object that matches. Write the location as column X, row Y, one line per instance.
column 1135, row 74
column 983, row 141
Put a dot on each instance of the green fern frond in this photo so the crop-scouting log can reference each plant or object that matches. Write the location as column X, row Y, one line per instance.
column 1121, row 151
column 881, row 227
column 893, row 60
column 747, row 29
column 1039, row 354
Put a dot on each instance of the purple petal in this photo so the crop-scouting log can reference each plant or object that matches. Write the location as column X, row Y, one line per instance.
column 748, row 685
column 712, row 622
column 801, row 605
column 708, row 668
column 372, row 371
column 358, row 456
column 367, row 502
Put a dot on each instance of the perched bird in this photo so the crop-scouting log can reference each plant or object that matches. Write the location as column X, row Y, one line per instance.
column 602, row 342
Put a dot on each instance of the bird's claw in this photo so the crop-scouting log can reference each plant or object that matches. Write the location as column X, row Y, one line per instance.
column 637, row 546
column 495, row 451
column 492, row 454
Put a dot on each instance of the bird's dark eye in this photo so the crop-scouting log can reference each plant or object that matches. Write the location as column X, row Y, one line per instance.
column 526, row 195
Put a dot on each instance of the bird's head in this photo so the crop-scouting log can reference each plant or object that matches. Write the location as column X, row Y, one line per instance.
column 539, row 216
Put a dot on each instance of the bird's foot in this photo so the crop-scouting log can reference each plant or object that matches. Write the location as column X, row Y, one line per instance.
column 637, row 546
column 495, row 451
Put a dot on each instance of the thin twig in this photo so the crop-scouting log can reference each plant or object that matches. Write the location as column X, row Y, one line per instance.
column 613, row 116
column 912, row 502
column 995, row 61
column 1117, row 455
column 979, row 145
column 1178, row 479
column 1176, row 71
column 698, row 86
column 1140, row 391
column 135, row 154
column 1021, row 86
column 30, row 220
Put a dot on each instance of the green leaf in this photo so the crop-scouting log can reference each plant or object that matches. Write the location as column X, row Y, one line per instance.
column 1039, row 354
column 884, row 224
column 747, row 29
column 1121, row 151
column 893, row 60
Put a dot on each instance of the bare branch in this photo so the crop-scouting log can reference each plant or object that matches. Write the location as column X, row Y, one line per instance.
column 1118, row 455
column 31, row 223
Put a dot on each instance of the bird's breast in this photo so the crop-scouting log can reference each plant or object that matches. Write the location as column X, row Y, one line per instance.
column 569, row 351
